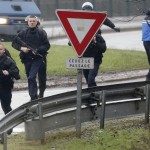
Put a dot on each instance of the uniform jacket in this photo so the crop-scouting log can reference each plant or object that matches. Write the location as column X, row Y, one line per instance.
column 108, row 23
column 146, row 29
column 96, row 50
column 6, row 63
column 35, row 38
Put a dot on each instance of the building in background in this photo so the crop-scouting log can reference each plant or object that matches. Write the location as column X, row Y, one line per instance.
column 114, row 8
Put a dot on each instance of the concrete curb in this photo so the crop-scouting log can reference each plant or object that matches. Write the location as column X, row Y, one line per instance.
column 69, row 81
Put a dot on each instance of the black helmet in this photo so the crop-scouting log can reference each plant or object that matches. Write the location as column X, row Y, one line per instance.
column 87, row 6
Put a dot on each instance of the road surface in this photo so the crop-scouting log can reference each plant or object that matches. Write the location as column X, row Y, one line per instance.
column 117, row 40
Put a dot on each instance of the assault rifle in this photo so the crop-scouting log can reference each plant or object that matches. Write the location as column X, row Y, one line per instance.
column 34, row 51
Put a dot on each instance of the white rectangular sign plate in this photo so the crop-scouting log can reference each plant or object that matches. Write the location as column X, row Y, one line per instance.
column 80, row 63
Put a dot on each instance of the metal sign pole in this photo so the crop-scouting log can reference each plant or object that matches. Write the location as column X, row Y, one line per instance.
column 79, row 95
column 147, row 103
column 5, row 141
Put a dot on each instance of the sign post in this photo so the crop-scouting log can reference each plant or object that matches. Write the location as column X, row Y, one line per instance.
column 79, row 99
column 80, row 27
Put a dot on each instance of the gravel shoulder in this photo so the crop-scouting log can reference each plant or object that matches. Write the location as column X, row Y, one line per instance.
column 67, row 81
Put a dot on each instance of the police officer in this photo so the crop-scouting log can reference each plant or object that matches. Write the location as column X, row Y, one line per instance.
column 146, row 38
column 33, row 38
column 8, row 71
column 95, row 49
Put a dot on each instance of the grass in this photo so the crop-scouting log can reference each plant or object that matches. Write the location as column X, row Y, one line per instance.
column 113, row 60
column 124, row 60
column 119, row 134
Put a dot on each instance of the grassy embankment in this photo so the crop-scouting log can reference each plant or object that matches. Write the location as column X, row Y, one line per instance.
column 130, row 134
column 113, row 60
column 119, row 134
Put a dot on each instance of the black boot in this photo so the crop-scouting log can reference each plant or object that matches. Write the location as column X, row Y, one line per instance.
column 41, row 94
column 34, row 97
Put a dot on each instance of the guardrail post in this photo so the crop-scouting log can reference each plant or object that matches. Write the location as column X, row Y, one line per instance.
column 41, row 125
column 147, row 103
column 34, row 127
column 102, row 115
column 79, row 95
column 4, row 141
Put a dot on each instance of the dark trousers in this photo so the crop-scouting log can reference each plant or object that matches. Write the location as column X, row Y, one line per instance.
column 5, row 98
column 147, row 49
column 90, row 75
column 34, row 67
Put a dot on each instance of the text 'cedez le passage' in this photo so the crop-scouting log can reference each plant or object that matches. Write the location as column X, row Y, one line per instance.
column 80, row 63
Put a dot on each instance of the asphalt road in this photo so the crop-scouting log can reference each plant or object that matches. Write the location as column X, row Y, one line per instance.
column 117, row 40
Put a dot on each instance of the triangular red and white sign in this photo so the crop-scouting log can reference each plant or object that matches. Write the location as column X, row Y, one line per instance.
column 80, row 26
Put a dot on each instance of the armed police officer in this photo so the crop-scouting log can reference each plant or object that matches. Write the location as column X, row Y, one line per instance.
column 8, row 71
column 95, row 49
column 33, row 45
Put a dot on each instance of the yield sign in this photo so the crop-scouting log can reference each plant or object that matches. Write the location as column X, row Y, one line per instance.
column 80, row 26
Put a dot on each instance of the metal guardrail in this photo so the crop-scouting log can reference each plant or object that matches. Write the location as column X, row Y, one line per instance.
column 110, row 101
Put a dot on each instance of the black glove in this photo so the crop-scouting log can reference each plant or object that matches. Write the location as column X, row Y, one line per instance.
column 69, row 43
column 17, row 77
column 117, row 29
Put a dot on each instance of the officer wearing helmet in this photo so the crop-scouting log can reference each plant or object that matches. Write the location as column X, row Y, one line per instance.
column 89, row 7
column 146, row 38
column 95, row 49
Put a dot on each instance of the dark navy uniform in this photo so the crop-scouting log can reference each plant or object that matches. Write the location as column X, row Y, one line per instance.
column 6, row 81
column 95, row 49
column 34, row 64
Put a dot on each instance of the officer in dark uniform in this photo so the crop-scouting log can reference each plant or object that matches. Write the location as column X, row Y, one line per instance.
column 95, row 49
column 33, row 38
column 8, row 71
